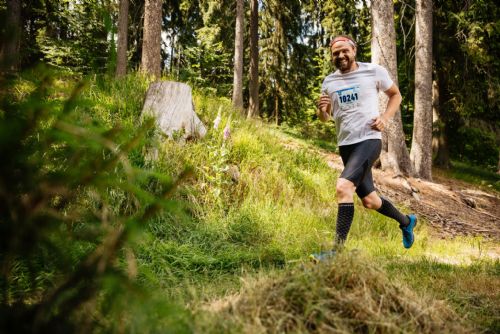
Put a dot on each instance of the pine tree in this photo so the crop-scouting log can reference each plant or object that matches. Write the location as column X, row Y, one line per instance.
column 9, row 51
column 253, row 109
column 121, row 57
column 238, row 56
column 395, row 154
column 151, row 44
column 421, row 147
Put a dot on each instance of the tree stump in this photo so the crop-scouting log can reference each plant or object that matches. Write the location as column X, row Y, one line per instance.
column 171, row 104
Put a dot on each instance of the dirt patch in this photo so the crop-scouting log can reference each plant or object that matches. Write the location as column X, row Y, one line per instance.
column 452, row 208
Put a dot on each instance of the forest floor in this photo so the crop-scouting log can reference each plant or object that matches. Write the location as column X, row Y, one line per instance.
column 452, row 207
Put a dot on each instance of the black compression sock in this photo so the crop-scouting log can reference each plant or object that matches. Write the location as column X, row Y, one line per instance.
column 389, row 210
column 345, row 215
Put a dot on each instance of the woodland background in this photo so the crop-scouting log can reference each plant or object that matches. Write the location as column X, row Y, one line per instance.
column 97, row 237
column 198, row 46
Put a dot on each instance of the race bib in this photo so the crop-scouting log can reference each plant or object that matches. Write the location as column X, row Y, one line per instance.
column 348, row 98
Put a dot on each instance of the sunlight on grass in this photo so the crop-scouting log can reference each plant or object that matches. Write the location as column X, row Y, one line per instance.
column 381, row 236
column 343, row 295
column 255, row 206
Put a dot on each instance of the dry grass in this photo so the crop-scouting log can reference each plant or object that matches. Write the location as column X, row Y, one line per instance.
column 347, row 295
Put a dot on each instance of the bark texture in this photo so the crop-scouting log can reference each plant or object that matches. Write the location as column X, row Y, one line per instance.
column 421, row 146
column 498, row 167
column 151, row 45
column 439, row 141
column 440, row 96
column 171, row 104
column 9, row 51
column 253, row 109
column 394, row 154
column 121, row 54
column 238, row 57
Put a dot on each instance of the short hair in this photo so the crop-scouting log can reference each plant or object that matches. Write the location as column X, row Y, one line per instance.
column 343, row 38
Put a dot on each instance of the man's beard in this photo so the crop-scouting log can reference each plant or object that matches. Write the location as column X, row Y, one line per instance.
column 343, row 64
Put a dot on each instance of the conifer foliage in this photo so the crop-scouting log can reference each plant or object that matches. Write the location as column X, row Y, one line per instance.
column 285, row 56
column 70, row 196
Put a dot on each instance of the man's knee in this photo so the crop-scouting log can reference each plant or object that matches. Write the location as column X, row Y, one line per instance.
column 372, row 201
column 345, row 188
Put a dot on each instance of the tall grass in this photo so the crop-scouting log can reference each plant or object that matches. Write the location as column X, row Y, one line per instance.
column 280, row 208
column 256, row 205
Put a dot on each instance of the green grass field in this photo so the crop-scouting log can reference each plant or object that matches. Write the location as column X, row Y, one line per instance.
column 231, row 254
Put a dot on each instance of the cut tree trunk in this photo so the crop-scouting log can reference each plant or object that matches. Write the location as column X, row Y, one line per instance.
column 171, row 104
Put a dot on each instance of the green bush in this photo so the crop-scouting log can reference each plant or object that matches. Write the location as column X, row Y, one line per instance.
column 475, row 146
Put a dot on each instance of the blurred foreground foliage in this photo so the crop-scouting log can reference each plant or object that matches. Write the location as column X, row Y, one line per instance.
column 74, row 190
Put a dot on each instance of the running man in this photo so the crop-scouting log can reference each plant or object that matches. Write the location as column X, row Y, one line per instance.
column 351, row 92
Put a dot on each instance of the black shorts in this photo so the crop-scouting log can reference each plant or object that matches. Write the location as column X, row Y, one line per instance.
column 358, row 160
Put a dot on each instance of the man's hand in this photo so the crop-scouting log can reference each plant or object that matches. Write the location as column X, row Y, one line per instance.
column 379, row 123
column 324, row 107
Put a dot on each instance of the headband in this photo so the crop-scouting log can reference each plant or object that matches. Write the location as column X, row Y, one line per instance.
column 342, row 39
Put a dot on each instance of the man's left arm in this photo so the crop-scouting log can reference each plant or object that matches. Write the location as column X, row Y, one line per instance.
column 395, row 99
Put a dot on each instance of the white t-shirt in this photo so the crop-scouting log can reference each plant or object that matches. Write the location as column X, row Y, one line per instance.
column 355, row 101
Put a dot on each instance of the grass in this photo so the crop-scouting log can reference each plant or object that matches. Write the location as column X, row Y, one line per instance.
column 244, row 223
column 472, row 289
column 472, row 174
column 282, row 208
column 349, row 294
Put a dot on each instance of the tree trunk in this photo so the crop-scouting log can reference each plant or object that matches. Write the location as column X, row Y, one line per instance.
column 171, row 104
column 121, row 55
column 498, row 168
column 394, row 156
column 151, row 44
column 172, row 47
column 238, row 57
column 421, row 146
column 439, row 143
column 253, row 109
column 440, row 96
column 9, row 51
column 442, row 151
column 276, row 108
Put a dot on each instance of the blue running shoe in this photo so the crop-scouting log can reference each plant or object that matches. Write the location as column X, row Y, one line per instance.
column 323, row 256
column 408, row 237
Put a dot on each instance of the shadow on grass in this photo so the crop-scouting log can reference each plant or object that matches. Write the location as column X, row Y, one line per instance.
column 472, row 174
column 472, row 289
